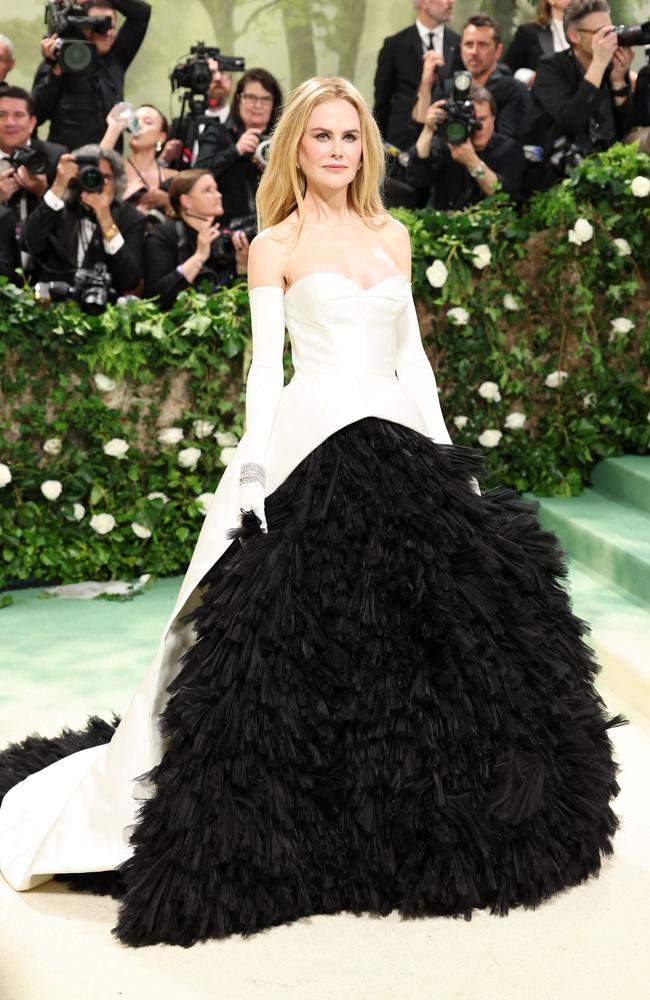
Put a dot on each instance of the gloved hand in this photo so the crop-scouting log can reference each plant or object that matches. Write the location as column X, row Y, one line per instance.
column 251, row 497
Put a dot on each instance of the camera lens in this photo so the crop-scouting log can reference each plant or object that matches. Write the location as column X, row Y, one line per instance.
column 456, row 132
column 76, row 56
column 91, row 179
column 93, row 299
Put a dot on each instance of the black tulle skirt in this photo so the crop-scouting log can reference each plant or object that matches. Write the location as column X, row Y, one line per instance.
column 389, row 706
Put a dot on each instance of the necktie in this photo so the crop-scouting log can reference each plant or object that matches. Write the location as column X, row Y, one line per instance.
column 430, row 37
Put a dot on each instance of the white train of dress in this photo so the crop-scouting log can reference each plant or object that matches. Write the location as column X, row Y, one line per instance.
column 76, row 814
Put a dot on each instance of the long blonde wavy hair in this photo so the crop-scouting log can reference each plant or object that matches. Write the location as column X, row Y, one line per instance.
column 282, row 187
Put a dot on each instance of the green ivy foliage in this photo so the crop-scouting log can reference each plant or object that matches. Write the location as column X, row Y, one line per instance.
column 542, row 305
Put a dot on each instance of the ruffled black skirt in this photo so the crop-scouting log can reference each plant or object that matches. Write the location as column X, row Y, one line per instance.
column 389, row 706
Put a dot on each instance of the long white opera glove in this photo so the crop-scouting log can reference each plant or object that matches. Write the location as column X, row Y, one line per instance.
column 263, row 387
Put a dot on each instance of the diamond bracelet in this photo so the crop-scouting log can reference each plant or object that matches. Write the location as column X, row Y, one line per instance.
column 252, row 472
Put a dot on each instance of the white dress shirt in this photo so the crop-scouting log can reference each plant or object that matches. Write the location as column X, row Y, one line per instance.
column 424, row 33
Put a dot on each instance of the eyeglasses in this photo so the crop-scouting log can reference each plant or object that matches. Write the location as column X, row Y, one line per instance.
column 254, row 99
column 593, row 31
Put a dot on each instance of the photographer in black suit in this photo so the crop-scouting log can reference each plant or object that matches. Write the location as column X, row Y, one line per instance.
column 20, row 187
column 76, row 103
column 73, row 228
column 427, row 49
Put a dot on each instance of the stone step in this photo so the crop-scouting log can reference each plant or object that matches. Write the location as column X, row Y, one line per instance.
column 625, row 478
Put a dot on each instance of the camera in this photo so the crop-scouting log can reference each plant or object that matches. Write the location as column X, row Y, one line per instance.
column 566, row 155
column 92, row 290
column 247, row 224
column 461, row 123
column 194, row 74
column 67, row 20
column 90, row 177
column 262, row 151
column 633, row 34
column 31, row 159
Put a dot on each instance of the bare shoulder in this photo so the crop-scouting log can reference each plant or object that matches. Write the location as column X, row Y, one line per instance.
column 397, row 241
column 268, row 256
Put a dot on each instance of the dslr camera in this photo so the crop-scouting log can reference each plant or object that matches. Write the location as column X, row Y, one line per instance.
column 92, row 290
column 67, row 19
column 194, row 73
column 633, row 34
column 31, row 159
column 461, row 123
column 90, row 177
column 244, row 223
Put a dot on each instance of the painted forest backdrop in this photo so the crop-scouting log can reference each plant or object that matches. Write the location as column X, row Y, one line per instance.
column 292, row 38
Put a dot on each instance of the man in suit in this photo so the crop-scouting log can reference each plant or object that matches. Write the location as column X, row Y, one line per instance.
column 72, row 229
column 427, row 46
column 182, row 151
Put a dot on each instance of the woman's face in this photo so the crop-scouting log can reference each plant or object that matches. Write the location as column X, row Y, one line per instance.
column 204, row 199
column 255, row 106
column 330, row 150
column 151, row 131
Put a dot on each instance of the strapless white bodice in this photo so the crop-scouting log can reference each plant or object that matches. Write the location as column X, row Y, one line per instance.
column 337, row 327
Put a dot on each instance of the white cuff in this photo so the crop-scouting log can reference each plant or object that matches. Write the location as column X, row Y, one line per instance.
column 114, row 244
column 53, row 201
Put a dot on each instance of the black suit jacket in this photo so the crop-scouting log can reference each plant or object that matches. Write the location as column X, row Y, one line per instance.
column 237, row 176
column 8, row 245
column 399, row 68
column 76, row 104
column 51, row 238
column 531, row 42
column 168, row 246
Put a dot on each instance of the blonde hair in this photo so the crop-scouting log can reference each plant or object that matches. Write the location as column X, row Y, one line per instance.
column 282, row 187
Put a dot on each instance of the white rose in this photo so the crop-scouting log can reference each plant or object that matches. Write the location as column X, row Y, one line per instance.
column 203, row 428
column 102, row 523
column 622, row 325
column 78, row 510
column 103, row 383
column 640, row 187
column 116, row 448
column 490, row 438
column 140, row 530
column 144, row 578
column 458, row 315
column 460, row 422
column 482, row 256
column 583, row 230
column 511, row 303
column 204, row 500
column 574, row 238
column 188, row 457
column 623, row 247
column 158, row 496
column 489, row 391
column 226, row 439
column 515, row 421
column 53, row 446
column 171, row 435
column 227, row 454
column 589, row 400
column 437, row 274
column 51, row 489
column 554, row 379
column 5, row 475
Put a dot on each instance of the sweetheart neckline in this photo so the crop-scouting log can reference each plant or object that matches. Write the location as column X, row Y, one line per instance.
column 337, row 274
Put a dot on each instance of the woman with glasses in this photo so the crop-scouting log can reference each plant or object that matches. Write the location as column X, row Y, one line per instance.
column 229, row 150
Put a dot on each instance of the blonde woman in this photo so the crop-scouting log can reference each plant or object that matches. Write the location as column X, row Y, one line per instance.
column 375, row 696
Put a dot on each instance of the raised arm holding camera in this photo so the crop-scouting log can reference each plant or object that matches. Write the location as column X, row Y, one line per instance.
column 85, row 59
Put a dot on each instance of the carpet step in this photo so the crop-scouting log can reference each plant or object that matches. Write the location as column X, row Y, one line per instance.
column 625, row 478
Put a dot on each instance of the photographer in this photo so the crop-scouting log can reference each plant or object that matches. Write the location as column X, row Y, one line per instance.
column 182, row 151
column 191, row 247
column 76, row 103
column 481, row 49
column 229, row 150
column 461, row 174
column 582, row 95
column 7, row 61
column 74, row 227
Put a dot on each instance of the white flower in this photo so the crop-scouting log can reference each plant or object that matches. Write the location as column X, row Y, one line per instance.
column 482, row 256
column 589, row 400
column 103, row 383
column 227, row 454
column 204, row 500
column 53, row 446
column 647, row 418
column 171, row 435
column 623, row 247
column 554, row 379
column 158, row 496
column 188, row 457
column 5, row 475
column 583, row 230
column 144, row 578
column 51, row 489
column 640, row 187
column 622, row 325
column 203, row 428
column 490, row 438
column 116, row 448
column 489, row 391
column 515, row 421
column 78, row 510
column 458, row 315
column 511, row 303
column 140, row 530
column 573, row 238
column 226, row 439
column 102, row 523
column 460, row 422
column 437, row 274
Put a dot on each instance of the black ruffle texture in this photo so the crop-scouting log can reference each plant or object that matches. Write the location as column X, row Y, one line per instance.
column 389, row 706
